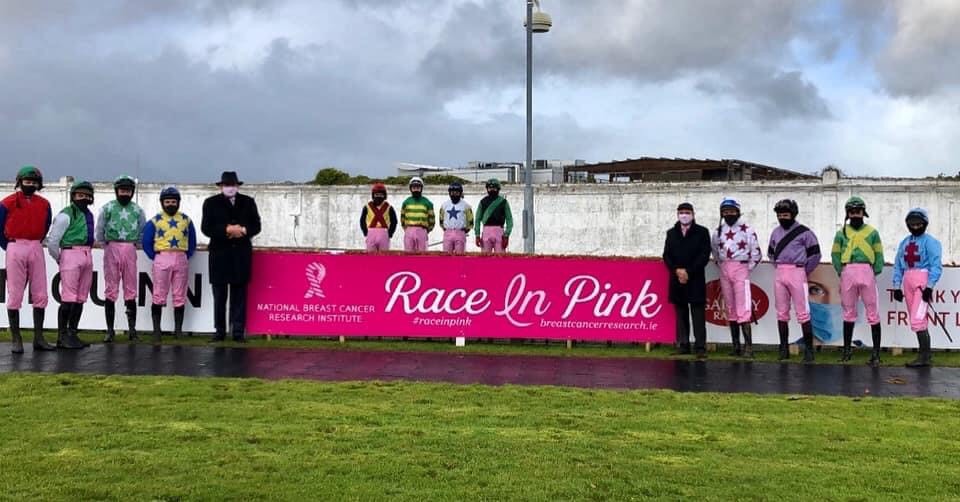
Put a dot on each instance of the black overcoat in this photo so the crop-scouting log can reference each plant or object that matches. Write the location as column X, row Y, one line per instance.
column 230, row 259
column 692, row 252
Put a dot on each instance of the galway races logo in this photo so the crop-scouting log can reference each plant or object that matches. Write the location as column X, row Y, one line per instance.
column 315, row 274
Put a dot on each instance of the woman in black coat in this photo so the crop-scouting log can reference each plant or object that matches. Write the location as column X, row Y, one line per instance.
column 686, row 254
column 230, row 220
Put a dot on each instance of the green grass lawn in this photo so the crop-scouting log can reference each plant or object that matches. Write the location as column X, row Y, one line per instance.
column 74, row 437
column 829, row 355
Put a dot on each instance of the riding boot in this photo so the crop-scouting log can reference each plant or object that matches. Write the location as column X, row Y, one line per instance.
column 808, row 350
column 735, row 339
column 64, row 315
column 178, row 321
column 74, row 332
column 131, row 308
column 923, row 357
column 17, row 341
column 847, row 342
column 875, row 355
column 156, row 311
column 39, row 343
column 747, row 340
column 109, row 313
column 784, row 330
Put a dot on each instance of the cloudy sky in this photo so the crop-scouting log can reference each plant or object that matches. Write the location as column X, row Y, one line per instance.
column 178, row 90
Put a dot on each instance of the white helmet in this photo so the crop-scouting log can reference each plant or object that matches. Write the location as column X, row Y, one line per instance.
column 416, row 180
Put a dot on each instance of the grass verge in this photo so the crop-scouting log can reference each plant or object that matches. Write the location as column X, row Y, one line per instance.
column 159, row 438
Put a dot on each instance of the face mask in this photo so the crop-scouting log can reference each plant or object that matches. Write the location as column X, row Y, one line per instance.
column 455, row 198
column 730, row 220
column 857, row 222
column 124, row 199
column 786, row 223
column 82, row 203
column 230, row 192
column 917, row 232
column 493, row 192
column 171, row 210
column 378, row 199
column 416, row 193
column 685, row 219
column 28, row 190
column 827, row 321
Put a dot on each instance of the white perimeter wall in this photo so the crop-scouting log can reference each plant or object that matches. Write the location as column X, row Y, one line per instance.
column 621, row 219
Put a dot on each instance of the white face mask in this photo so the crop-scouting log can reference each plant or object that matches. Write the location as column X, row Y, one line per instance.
column 685, row 219
column 230, row 191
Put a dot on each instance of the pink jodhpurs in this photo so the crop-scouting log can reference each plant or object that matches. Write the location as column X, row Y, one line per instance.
column 170, row 271
column 491, row 240
column 914, row 281
column 454, row 241
column 25, row 263
column 378, row 239
column 858, row 282
column 120, row 262
column 76, row 274
column 735, row 285
column 791, row 285
column 415, row 239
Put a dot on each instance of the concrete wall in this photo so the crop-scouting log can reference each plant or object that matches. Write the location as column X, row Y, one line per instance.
column 627, row 219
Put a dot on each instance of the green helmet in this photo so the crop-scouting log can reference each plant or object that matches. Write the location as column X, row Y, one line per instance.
column 29, row 173
column 81, row 186
column 856, row 203
column 124, row 181
column 493, row 183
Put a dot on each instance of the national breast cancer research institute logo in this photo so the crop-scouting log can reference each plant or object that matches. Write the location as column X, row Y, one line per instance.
column 315, row 273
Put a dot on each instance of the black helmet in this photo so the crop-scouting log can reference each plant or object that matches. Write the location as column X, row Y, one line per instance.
column 455, row 187
column 124, row 181
column 170, row 193
column 787, row 206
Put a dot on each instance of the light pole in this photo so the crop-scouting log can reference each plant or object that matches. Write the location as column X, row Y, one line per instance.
column 537, row 22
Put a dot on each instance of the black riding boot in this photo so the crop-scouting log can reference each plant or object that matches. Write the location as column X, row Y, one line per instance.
column 875, row 355
column 156, row 311
column 178, row 321
column 39, row 343
column 109, row 313
column 784, row 330
column 131, row 308
column 74, row 332
column 64, row 340
column 747, row 340
column 923, row 358
column 17, row 341
column 847, row 342
column 735, row 339
column 808, row 350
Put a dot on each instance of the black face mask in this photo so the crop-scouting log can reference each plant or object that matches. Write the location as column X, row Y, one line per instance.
column 171, row 210
column 124, row 199
column 856, row 222
column 416, row 193
column 82, row 203
column 455, row 197
column 378, row 199
column 786, row 223
column 28, row 189
column 917, row 232
column 493, row 192
column 730, row 220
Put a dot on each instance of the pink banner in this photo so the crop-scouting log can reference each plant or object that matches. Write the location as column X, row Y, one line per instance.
column 295, row 293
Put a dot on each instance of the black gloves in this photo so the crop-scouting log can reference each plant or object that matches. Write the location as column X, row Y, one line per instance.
column 898, row 295
column 927, row 295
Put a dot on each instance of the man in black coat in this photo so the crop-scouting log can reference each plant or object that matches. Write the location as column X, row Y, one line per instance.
column 686, row 254
column 230, row 220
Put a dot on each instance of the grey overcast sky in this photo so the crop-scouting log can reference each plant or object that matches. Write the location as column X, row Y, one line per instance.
column 179, row 90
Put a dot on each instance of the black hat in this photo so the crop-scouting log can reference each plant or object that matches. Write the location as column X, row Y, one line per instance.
column 229, row 178
column 685, row 206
